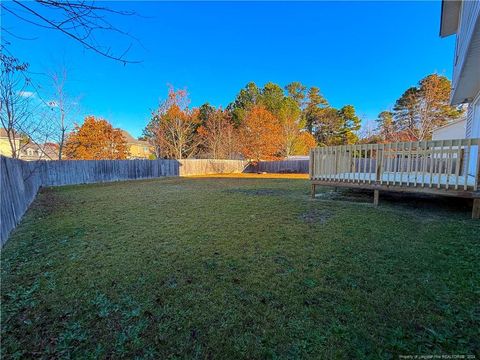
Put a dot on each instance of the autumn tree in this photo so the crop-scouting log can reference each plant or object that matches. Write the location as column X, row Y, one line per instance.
column 303, row 143
column 296, row 139
column 96, row 139
column 289, row 117
column 172, row 129
column 218, row 133
column 422, row 108
column 261, row 135
column 285, row 104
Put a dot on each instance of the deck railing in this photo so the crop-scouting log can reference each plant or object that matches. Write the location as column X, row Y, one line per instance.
column 442, row 164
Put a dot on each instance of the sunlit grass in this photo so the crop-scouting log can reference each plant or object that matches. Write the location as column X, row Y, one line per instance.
column 255, row 176
column 238, row 268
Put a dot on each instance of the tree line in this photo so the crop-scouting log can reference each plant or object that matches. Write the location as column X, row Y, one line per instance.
column 419, row 110
column 261, row 123
column 268, row 122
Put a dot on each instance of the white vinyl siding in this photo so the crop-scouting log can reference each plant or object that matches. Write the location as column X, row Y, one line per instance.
column 452, row 131
column 473, row 132
column 469, row 13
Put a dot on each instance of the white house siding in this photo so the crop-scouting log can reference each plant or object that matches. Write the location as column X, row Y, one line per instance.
column 463, row 19
column 465, row 71
column 475, row 117
column 455, row 130
column 473, row 132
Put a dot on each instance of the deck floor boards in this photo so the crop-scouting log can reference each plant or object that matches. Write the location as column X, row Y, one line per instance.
column 405, row 177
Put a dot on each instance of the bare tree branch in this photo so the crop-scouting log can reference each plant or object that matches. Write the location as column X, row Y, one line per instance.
column 78, row 20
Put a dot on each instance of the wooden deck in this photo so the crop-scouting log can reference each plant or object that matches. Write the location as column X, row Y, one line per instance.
column 444, row 167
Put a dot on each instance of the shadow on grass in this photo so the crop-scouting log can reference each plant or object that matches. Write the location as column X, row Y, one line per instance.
column 421, row 204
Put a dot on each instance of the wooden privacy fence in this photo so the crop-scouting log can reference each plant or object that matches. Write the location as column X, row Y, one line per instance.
column 191, row 167
column 280, row 166
column 20, row 180
column 18, row 188
column 56, row 173
column 449, row 167
column 71, row 172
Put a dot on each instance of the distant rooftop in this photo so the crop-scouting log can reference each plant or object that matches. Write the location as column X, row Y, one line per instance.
column 130, row 139
column 3, row 133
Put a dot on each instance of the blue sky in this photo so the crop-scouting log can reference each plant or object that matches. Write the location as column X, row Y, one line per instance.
column 360, row 53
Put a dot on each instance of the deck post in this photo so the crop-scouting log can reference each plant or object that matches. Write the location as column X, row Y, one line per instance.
column 376, row 195
column 313, row 191
column 476, row 209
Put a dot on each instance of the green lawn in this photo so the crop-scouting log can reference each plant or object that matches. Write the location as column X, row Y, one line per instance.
column 238, row 268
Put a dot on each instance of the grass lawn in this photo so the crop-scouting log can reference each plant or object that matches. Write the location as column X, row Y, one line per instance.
column 239, row 268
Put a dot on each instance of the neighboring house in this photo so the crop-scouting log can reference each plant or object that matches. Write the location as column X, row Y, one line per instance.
column 33, row 152
column 453, row 130
column 138, row 149
column 463, row 19
column 5, row 147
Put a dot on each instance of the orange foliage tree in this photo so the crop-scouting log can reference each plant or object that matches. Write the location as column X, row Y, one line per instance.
column 261, row 135
column 218, row 135
column 303, row 143
column 296, row 140
column 173, row 127
column 96, row 139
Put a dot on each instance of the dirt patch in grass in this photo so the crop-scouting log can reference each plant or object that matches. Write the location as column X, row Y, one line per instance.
column 316, row 216
column 255, row 176
column 259, row 192
column 346, row 195
column 48, row 202
column 422, row 205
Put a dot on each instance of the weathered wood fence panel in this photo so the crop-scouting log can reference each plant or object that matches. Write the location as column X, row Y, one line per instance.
column 18, row 186
column 20, row 180
column 282, row 166
column 189, row 167
column 57, row 173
